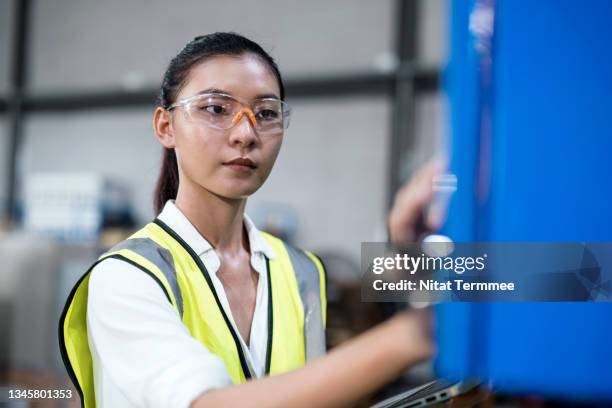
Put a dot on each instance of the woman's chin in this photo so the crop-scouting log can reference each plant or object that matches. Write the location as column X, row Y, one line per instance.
column 238, row 190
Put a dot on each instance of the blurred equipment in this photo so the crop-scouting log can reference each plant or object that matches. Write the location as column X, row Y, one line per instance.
column 347, row 315
column 35, row 278
column 27, row 280
column 277, row 219
column 74, row 207
column 529, row 86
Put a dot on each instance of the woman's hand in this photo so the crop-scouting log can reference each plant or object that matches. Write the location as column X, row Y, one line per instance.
column 407, row 219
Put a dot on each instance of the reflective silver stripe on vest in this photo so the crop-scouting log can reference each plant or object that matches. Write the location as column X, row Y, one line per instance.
column 308, row 280
column 158, row 256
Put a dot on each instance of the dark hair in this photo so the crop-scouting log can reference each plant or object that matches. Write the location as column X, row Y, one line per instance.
column 196, row 51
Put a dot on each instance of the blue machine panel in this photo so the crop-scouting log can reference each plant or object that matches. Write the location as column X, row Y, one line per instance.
column 540, row 174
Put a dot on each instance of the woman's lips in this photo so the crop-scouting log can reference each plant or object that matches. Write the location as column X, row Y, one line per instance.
column 241, row 165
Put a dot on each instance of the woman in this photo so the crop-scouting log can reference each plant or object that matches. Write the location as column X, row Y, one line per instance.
column 199, row 301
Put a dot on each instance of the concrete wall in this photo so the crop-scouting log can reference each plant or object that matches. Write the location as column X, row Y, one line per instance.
column 84, row 44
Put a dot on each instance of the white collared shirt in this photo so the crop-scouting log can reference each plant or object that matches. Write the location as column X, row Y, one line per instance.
column 143, row 355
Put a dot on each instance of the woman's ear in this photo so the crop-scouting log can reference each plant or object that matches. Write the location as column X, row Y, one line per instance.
column 162, row 126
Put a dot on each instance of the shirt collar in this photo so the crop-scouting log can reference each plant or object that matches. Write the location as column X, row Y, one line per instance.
column 175, row 219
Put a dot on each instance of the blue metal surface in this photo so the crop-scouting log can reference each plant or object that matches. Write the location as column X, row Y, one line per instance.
column 547, row 181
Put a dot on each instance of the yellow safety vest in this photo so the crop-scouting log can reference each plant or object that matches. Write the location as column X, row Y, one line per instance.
column 296, row 309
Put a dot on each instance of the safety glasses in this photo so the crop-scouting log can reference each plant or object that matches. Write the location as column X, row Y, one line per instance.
column 221, row 111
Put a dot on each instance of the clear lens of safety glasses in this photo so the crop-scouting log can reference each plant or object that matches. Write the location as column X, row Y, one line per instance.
column 267, row 115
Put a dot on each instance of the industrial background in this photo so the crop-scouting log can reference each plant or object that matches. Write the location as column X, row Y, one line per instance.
column 78, row 159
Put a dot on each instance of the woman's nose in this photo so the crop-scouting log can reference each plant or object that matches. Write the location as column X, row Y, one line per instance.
column 243, row 131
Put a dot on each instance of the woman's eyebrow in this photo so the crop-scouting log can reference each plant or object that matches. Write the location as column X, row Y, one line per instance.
column 213, row 90
column 267, row 96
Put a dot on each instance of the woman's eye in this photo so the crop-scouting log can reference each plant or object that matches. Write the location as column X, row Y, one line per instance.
column 215, row 109
column 267, row 114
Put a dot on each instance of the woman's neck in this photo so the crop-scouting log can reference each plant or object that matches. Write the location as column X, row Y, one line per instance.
column 218, row 219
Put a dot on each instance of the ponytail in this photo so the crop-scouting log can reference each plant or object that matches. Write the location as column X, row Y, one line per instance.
column 167, row 182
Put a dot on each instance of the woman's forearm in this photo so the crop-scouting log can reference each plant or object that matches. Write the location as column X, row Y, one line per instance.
column 346, row 374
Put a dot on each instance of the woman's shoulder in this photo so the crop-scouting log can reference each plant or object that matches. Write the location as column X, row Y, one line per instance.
column 139, row 242
column 111, row 269
column 136, row 266
column 114, row 266
column 113, row 278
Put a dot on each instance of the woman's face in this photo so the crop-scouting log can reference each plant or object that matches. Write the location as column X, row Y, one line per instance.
column 211, row 158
